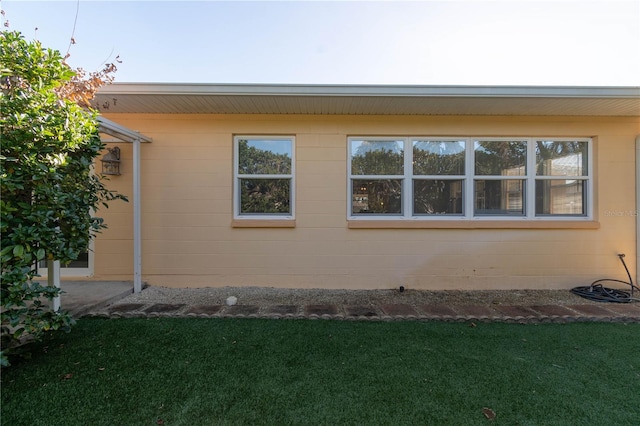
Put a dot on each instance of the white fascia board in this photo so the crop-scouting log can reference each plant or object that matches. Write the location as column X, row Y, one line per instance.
column 116, row 130
column 372, row 90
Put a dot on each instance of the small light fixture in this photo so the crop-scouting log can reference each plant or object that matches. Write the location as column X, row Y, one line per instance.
column 111, row 161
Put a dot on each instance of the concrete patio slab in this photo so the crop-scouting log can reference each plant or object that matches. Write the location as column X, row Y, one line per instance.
column 82, row 297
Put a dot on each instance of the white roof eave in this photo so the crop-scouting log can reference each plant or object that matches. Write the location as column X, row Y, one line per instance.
column 371, row 90
column 189, row 98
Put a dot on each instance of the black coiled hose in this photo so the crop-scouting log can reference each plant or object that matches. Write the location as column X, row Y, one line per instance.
column 599, row 293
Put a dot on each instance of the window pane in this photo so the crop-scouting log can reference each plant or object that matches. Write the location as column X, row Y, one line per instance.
column 561, row 158
column 500, row 158
column 377, row 157
column 560, row 197
column 437, row 196
column 265, row 196
column 264, row 156
column 499, row 197
column 377, row 196
column 438, row 157
column 81, row 262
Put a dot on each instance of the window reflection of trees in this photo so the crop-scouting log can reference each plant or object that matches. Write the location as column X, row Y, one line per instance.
column 256, row 161
column 437, row 196
column 265, row 196
column 500, row 158
column 563, row 159
column 377, row 158
column 438, row 157
column 260, row 195
column 439, row 177
column 377, row 196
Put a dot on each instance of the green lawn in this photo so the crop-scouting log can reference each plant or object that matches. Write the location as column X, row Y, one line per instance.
column 280, row 372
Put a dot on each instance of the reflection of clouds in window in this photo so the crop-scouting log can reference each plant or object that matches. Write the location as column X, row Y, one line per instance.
column 362, row 147
column 280, row 147
column 440, row 147
column 377, row 157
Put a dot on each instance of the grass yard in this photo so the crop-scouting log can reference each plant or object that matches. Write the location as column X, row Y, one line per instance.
column 297, row 372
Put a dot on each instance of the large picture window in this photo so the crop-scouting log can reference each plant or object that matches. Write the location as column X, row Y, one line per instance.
column 264, row 176
column 469, row 178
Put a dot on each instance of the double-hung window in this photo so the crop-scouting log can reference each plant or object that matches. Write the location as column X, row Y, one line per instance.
column 264, row 177
column 461, row 178
column 499, row 181
column 563, row 178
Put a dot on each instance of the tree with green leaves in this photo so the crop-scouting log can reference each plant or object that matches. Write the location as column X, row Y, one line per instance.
column 49, row 140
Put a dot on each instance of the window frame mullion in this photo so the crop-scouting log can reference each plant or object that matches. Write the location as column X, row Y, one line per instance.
column 470, row 179
column 530, row 187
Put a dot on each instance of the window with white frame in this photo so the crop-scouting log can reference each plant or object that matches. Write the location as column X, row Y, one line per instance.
column 81, row 267
column 464, row 178
column 264, row 177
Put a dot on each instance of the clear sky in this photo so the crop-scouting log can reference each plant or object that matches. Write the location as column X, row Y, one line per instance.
column 566, row 42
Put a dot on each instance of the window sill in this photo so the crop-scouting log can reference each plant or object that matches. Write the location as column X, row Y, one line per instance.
column 263, row 223
column 473, row 224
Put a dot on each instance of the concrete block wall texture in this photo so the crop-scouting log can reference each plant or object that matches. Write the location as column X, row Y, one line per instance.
column 188, row 237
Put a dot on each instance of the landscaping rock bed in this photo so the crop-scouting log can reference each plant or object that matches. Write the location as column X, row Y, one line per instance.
column 266, row 296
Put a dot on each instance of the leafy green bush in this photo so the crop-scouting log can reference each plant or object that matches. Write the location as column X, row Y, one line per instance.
column 49, row 192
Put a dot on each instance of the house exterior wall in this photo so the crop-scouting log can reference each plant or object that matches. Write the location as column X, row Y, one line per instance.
column 188, row 239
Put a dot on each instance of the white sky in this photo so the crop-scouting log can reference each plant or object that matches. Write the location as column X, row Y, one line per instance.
column 567, row 43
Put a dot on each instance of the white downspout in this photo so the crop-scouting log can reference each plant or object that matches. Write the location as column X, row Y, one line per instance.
column 137, row 234
column 637, row 212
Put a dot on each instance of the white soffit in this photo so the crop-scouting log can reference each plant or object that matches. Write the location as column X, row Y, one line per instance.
column 367, row 100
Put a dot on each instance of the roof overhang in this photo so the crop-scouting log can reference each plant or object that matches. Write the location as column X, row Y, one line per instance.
column 122, row 133
column 187, row 98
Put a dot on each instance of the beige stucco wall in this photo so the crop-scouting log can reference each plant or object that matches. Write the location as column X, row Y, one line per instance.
column 188, row 240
